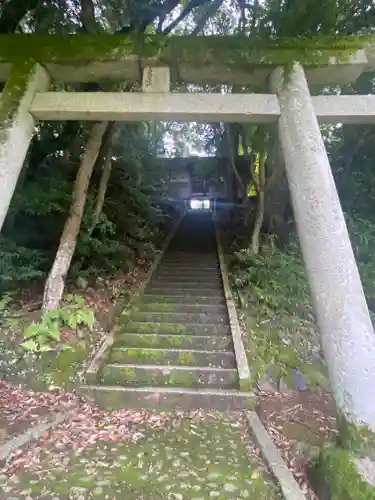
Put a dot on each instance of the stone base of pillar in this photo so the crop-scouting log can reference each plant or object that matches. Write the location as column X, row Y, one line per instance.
column 341, row 475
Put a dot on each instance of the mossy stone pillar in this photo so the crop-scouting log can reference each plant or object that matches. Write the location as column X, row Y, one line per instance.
column 340, row 307
column 17, row 124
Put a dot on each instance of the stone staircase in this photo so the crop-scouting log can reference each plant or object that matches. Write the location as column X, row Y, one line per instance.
column 176, row 349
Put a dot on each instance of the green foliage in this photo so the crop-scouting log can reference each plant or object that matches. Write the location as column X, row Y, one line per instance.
column 275, row 279
column 18, row 263
column 281, row 335
column 129, row 225
column 362, row 233
column 266, row 351
column 46, row 334
column 281, row 332
column 7, row 318
column 102, row 252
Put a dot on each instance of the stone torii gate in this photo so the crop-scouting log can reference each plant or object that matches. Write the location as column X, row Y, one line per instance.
column 29, row 65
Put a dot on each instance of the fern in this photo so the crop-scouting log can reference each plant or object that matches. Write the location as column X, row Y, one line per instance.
column 46, row 335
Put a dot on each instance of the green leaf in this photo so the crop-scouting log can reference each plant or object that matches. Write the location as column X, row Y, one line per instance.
column 30, row 345
column 45, row 348
column 66, row 347
column 32, row 330
column 51, row 316
column 54, row 331
column 72, row 321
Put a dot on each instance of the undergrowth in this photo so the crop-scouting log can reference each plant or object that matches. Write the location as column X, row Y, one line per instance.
column 281, row 332
column 45, row 335
column 281, row 339
column 274, row 280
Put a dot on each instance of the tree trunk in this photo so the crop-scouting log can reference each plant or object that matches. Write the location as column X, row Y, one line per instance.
column 276, row 195
column 260, row 205
column 106, row 173
column 55, row 282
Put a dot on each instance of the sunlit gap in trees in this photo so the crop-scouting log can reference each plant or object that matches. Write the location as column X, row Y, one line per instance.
column 185, row 139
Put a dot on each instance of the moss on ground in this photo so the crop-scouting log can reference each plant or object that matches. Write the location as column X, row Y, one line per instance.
column 359, row 439
column 49, row 369
column 203, row 459
column 336, row 476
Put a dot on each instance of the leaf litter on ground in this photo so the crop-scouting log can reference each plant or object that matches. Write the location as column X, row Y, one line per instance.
column 88, row 425
column 298, row 424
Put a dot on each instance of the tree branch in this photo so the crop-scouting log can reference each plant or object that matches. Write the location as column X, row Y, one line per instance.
column 88, row 16
column 149, row 16
column 13, row 12
column 210, row 12
column 231, row 155
column 192, row 4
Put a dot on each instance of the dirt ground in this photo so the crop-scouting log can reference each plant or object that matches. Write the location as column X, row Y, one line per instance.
column 298, row 424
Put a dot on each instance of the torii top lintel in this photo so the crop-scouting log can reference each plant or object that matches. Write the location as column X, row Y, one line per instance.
column 192, row 59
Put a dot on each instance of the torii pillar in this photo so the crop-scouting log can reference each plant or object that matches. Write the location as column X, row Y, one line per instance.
column 339, row 303
column 17, row 124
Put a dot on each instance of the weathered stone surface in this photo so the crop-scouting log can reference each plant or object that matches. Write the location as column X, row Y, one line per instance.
column 181, row 299
column 167, row 398
column 239, row 348
column 206, row 342
column 214, row 59
column 203, row 107
column 287, row 483
column 165, row 349
column 168, row 375
column 177, row 328
column 340, row 307
column 156, row 79
column 17, row 125
column 135, row 106
column 205, row 318
column 174, row 356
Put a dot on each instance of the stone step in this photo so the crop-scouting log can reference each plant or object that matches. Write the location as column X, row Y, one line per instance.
column 183, row 270
column 114, row 398
column 190, row 260
column 196, row 291
column 199, row 342
column 195, row 280
column 173, row 328
column 182, row 299
column 204, row 281
column 184, row 281
column 183, row 267
column 175, row 376
column 161, row 306
column 181, row 318
column 177, row 357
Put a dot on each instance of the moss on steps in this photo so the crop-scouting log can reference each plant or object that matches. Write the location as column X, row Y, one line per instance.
column 137, row 375
column 182, row 318
column 210, row 343
column 173, row 328
column 179, row 357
